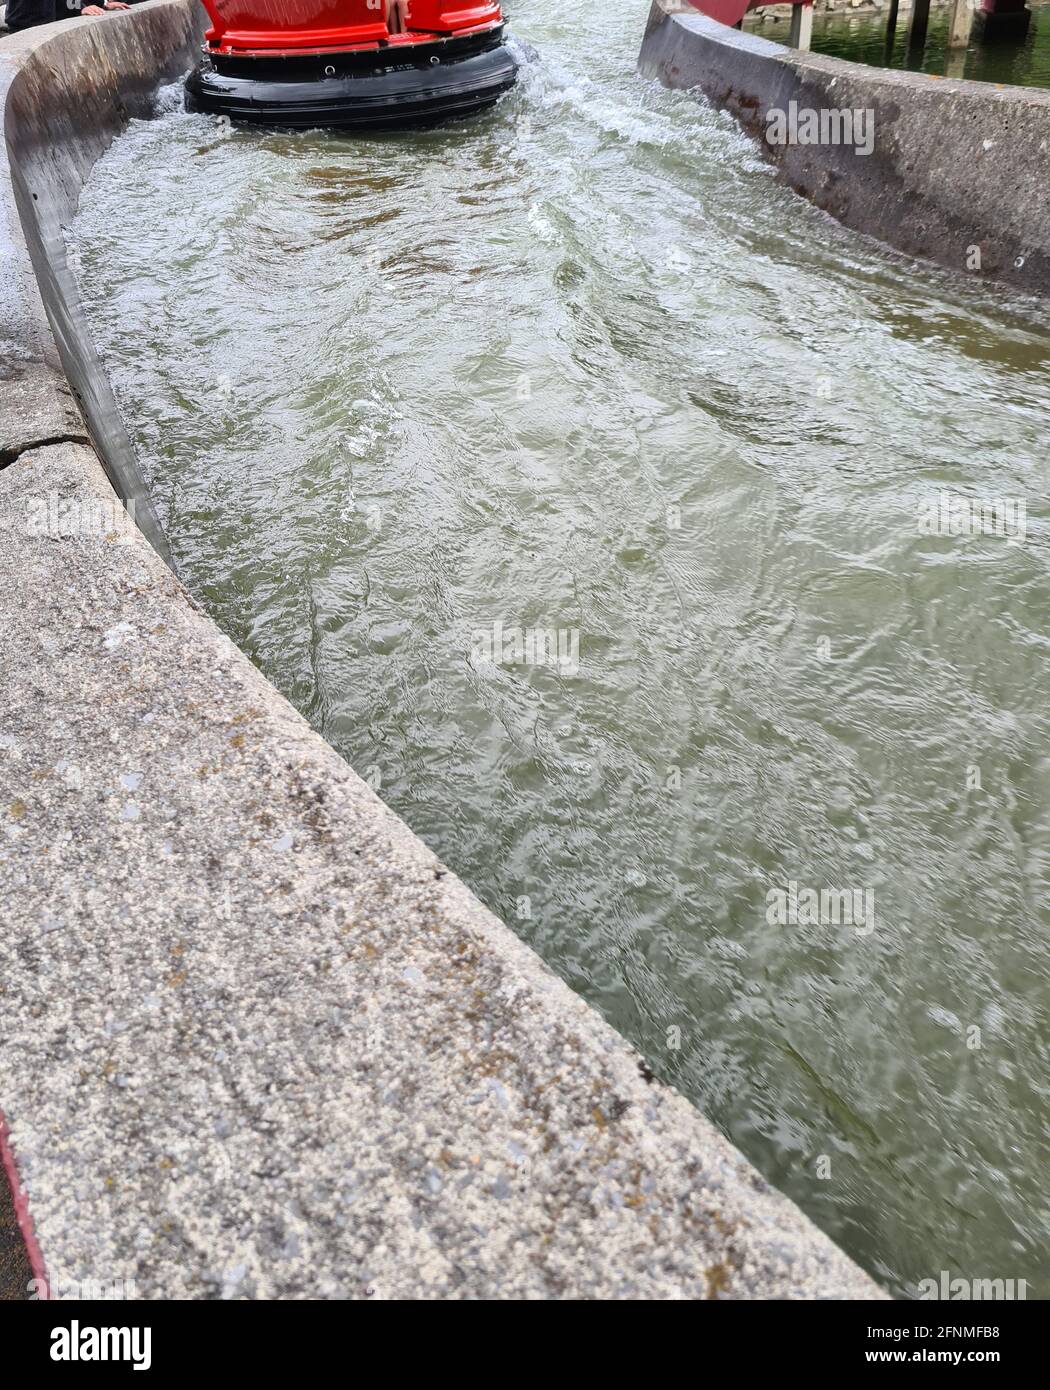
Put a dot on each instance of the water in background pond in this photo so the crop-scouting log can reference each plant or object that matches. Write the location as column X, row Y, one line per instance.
column 862, row 38
column 583, row 365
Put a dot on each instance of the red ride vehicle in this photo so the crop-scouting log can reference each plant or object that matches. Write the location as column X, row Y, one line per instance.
column 351, row 64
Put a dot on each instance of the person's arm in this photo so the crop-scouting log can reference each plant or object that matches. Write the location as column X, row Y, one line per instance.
column 101, row 9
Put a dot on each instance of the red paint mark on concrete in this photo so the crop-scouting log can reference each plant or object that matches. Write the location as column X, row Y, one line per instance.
column 21, row 1205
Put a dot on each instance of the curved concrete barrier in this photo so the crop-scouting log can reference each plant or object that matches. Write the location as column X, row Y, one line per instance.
column 257, row 1040
column 66, row 90
column 958, row 172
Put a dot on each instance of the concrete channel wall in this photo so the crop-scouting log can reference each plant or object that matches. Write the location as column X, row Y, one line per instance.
column 257, row 1041
column 956, row 165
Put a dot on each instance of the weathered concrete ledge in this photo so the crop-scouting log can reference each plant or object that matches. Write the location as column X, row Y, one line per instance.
column 257, row 1040
column 955, row 164
column 65, row 91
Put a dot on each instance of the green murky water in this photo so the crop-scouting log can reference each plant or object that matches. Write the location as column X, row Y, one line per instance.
column 865, row 38
column 583, row 366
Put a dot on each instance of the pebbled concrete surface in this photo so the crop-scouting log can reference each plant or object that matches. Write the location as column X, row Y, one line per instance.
column 36, row 406
column 956, row 164
column 257, row 1040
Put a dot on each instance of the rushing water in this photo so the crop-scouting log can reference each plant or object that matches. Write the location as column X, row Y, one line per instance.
column 862, row 38
column 582, row 364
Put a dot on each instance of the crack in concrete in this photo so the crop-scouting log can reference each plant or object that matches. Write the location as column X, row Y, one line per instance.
column 10, row 456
